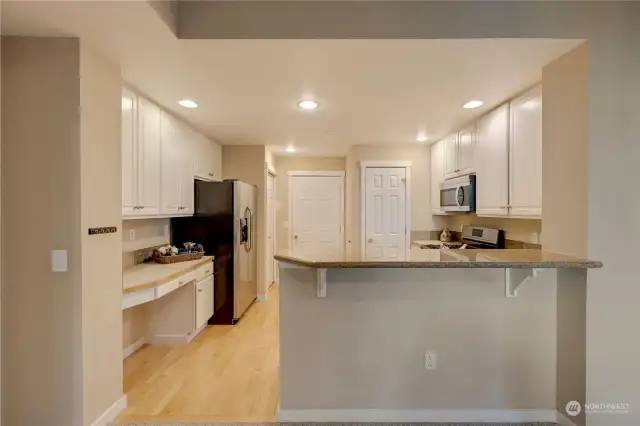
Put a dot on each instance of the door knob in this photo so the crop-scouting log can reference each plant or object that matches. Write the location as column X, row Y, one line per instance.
column 370, row 240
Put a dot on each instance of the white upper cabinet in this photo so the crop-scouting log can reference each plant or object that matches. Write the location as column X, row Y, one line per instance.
column 149, row 162
column 186, row 176
column 525, row 157
column 160, row 157
column 492, row 163
column 171, row 167
column 129, row 154
column 451, row 156
column 459, row 152
column 466, row 150
column 217, row 161
column 437, row 175
column 205, row 161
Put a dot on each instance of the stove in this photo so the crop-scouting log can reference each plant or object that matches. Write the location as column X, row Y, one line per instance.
column 477, row 237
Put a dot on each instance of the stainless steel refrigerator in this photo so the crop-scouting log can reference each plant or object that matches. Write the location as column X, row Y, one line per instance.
column 225, row 224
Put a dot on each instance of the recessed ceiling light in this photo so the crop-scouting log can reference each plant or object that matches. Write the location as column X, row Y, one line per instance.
column 308, row 104
column 421, row 138
column 290, row 149
column 472, row 104
column 188, row 103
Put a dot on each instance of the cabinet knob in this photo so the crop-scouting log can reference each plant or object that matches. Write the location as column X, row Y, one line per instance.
column 210, row 174
column 199, row 290
column 370, row 240
column 180, row 282
column 295, row 237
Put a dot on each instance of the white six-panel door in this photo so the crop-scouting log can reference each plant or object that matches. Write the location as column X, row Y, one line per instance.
column 316, row 216
column 385, row 213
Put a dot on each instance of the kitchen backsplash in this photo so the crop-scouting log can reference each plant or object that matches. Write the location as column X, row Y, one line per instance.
column 149, row 233
column 526, row 231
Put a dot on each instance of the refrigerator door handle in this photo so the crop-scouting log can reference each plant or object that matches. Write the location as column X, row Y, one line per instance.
column 251, row 229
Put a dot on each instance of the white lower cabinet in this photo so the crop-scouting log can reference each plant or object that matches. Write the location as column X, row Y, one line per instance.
column 204, row 301
column 437, row 175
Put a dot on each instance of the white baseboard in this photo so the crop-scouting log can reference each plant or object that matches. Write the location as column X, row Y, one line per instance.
column 170, row 339
column 176, row 339
column 112, row 412
column 418, row 416
column 563, row 420
column 129, row 350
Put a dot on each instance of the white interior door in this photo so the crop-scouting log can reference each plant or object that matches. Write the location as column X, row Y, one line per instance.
column 385, row 213
column 271, row 234
column 317, row 216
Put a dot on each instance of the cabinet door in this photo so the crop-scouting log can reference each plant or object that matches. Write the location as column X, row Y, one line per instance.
column 171, row 167
column 129, row 154
column 466, row 150
column 451, row 156
column 187, row 185
column 149, row 161
column 437, row 175
column 492, row 163
column 204, row 301
column 217, row 161
column 525, row 165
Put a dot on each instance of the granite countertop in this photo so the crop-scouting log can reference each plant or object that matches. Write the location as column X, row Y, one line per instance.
column 420, row 258
column 146, row 275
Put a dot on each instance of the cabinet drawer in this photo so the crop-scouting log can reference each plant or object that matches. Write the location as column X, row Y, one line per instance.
column 138, row 297
column 175, row 284
column 204, row 271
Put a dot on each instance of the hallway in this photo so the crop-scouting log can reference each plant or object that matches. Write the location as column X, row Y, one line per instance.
column 227, row 373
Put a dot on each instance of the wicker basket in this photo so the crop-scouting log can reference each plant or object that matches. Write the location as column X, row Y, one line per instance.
column 177, row 258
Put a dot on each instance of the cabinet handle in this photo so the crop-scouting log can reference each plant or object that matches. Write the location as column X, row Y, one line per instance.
column 180, row 282
column 210, row 174
column 199, row 290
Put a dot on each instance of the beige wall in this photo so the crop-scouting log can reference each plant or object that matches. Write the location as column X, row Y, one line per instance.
column 564, row 153
column 101, row 198
column 379, row 323
column 420, row 158
column 248, row 164
column 41, row 212
column 565, row 212
column 73, row 158
column 284, row 165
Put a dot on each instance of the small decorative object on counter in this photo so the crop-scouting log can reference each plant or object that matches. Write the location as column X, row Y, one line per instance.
column 172, row 254
column 445, row 236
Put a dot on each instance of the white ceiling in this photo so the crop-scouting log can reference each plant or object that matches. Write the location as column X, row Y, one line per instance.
column 370, row 91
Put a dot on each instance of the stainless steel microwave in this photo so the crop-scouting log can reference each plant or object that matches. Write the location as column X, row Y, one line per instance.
column 459, row 194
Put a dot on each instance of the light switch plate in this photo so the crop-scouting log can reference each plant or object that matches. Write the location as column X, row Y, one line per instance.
column 132, row 234
column 59, row 260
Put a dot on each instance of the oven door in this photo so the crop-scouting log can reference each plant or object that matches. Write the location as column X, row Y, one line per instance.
column 457, row 197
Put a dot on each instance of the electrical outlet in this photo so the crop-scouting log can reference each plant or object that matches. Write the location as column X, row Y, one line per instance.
column 166, row 231
column 132, row 234
column 430, row 360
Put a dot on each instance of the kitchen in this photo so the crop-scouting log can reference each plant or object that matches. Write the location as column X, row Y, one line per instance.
column 152, row 229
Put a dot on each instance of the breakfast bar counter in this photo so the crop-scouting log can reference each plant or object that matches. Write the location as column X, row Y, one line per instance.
column 449, row 258
column 497, row 325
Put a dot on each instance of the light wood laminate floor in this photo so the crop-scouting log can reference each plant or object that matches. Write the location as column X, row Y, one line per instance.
column 227, row 373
